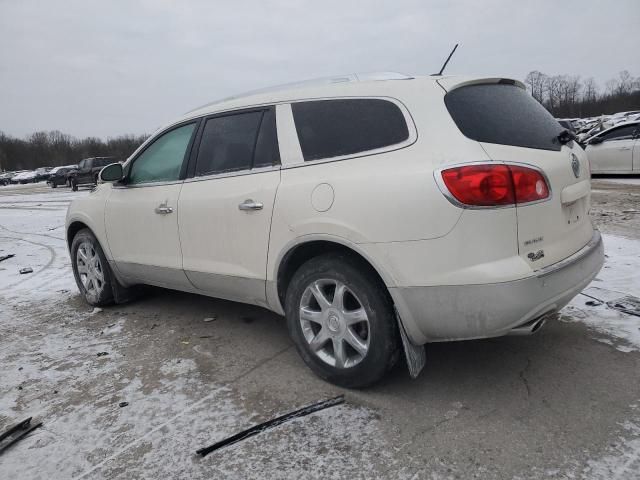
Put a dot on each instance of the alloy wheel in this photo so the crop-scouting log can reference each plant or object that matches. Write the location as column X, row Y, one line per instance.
column 90, row 269
column 334, row 323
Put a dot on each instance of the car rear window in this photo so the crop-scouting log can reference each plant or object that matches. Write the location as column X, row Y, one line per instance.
column 332, row 128
column 504, row 114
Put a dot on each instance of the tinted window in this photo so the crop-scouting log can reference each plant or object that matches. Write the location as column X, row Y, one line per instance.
column 331, row 128
column 162, row 160
column 228, row 143
column 504, row 114
column 267, row 151
column 621, row 133
column 103, row 162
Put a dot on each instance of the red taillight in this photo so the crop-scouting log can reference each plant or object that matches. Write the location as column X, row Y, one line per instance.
column 497, row 185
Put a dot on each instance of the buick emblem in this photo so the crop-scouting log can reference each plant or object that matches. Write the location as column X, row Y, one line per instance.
column 575, row 165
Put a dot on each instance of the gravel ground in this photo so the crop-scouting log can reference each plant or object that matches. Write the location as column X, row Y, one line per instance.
column 564, row 403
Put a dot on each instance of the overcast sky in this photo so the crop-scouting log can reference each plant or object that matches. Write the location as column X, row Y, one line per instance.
column 106, row 68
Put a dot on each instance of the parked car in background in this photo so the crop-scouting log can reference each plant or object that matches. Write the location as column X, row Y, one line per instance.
column 5, row 177
column 58, row 175
column 27, row 176
column 443, row 208
column 615, row 150
column 87, row 171
column 42, row 173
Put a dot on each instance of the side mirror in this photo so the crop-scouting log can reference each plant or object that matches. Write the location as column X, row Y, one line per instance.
column 596, row 140
column 112, row 173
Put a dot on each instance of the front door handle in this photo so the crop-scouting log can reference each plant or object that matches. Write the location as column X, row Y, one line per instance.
column 250, row 205
column 163, row 209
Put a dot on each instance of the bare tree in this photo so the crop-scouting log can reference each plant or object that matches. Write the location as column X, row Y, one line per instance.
column 590, row 91
column 537, row 82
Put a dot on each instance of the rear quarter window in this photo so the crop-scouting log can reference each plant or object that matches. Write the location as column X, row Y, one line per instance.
column 334, row 128
column 504, row 114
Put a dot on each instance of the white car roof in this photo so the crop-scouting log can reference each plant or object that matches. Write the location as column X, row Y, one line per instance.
column 343, row 85
column 618, row 125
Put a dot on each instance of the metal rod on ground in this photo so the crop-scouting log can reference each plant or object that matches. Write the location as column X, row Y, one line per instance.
column 261, row 427
column 23, row 429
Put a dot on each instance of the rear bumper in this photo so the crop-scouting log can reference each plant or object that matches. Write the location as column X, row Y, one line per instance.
column 465, row 312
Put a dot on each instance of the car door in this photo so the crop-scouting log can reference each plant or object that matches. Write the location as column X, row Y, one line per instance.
column 226, row 205
column 615, row 153
column 85, row 173
column 141, row 214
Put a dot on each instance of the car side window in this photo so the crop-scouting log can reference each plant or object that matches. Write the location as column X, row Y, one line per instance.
column 162, row 160
column 267, row 152
column 228, row 143
column 333, row 128
column 622, row 133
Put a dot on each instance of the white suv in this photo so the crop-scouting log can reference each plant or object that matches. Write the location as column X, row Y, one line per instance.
column 371, row 211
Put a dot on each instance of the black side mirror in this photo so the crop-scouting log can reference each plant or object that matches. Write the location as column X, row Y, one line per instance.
column 596, row 140
column 112, row 173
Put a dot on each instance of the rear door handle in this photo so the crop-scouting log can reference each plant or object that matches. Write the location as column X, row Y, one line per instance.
column 162, row 209
column 250, row 205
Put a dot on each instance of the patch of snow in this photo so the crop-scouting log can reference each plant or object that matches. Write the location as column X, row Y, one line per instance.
column 620, row 276
column 622, row 460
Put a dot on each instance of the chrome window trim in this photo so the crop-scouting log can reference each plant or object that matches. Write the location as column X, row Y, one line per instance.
column 437, row 176
column 237, row 173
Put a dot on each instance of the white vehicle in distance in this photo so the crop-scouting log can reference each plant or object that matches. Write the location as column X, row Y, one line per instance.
column 615, row 150
column 25, row 177
column 375, row 212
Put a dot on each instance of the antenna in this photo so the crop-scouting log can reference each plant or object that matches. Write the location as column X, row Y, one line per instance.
column 445, row 62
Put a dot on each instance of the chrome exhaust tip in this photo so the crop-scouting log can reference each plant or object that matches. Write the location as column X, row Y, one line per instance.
column 530, row 327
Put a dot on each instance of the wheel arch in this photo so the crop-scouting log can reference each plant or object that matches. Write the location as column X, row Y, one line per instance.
column 73, row 228
column 302, row 250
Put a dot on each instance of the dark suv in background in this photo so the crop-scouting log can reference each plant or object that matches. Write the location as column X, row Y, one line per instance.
column 87, row 171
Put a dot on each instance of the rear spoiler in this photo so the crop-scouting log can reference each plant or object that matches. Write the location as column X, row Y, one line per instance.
column 453, row 82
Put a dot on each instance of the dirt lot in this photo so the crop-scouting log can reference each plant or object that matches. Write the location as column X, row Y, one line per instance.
column 564, row 403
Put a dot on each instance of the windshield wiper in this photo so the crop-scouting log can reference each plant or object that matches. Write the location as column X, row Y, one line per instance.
column 565, row 136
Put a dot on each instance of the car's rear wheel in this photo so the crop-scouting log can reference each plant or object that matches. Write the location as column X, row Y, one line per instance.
column 91, row 269
column 342, row 321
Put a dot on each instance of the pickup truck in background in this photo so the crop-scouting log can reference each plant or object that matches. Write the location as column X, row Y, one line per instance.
column 87, row 171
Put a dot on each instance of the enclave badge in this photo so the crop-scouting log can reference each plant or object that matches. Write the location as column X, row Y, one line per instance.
column 575, row 165
column 535, row 256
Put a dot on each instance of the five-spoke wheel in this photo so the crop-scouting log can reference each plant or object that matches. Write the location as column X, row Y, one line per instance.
column 342, row 320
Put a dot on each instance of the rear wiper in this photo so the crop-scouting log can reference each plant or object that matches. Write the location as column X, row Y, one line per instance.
column 565, row 136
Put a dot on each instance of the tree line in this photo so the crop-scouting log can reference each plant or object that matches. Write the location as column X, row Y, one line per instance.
column 568, row 96
column 51, row 149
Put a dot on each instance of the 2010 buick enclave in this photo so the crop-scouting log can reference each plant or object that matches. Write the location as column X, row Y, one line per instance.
column 372, row 211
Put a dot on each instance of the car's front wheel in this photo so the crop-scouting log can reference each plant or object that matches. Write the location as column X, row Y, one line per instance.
column 91, row 269
column 342, row 321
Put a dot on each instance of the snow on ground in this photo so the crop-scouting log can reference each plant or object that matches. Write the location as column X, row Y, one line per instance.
column 32, row 228
column 620, row 276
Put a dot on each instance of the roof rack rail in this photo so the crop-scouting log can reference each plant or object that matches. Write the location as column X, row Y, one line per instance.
column 352, row 77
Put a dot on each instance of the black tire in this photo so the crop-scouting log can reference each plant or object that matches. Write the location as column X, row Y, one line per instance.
column 74, row 185
column 384, row 342
column 105, row 295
